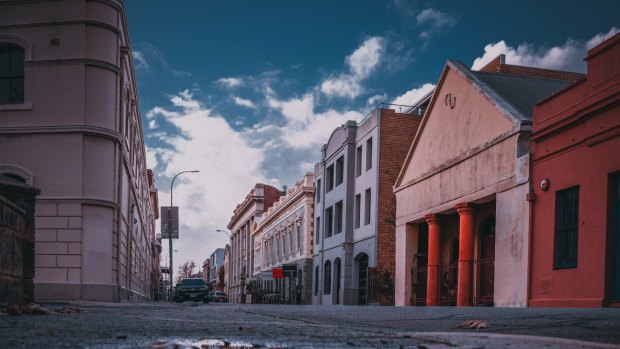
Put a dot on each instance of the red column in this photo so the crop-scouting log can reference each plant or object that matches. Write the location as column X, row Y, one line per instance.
column 434, row 259
column 466, row 254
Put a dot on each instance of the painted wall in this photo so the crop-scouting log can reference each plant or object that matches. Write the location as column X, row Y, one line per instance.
column 78, row 136
column 574, row 143
column 465, row 154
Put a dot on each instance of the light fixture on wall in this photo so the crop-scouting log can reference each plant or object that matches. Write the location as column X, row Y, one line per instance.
column 545, row 184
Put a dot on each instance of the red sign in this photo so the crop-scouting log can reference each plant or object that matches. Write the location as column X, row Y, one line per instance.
column 277, row 273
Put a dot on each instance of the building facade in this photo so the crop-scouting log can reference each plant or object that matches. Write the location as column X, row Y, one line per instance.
column 71, row 126
column 283, row 238
column 217, row 262
column 462, row 232
column 575, row 258
column 355, row 206
column 260, row 198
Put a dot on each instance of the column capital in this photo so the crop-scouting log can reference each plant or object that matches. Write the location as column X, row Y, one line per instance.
column 433, row 218
column 465, row 208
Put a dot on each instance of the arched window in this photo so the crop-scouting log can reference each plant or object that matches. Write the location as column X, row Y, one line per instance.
column 11, row 74
column 327, row 278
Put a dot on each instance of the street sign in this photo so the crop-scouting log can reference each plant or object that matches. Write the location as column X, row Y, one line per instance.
column 169, row 219
column 165, row 270
column 277, row 273
column 289, row 270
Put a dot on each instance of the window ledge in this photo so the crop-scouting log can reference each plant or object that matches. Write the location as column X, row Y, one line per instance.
column 24, row 106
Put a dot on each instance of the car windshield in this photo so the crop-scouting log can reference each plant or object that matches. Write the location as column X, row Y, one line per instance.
column 192, row 282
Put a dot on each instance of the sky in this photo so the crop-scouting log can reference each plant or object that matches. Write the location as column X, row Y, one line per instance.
column 247, row 92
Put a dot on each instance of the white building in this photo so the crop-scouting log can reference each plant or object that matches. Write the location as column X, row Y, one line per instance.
column 283, row 238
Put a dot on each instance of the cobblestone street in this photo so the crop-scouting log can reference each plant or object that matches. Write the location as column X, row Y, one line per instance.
column 215, row 325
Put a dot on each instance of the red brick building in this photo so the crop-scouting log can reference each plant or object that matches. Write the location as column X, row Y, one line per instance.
column 575, row 251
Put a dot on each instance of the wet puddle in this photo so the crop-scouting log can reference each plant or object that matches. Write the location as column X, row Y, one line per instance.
column 205, row 344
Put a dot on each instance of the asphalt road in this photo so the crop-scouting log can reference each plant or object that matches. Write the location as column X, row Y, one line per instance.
column 218, row 325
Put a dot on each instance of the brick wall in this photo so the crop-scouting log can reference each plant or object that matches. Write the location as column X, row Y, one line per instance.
column 272, row 195
column 498, row 65
column 396, row 135
column 16, row 242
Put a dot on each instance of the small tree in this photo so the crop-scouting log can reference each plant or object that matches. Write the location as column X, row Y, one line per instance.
column 220, row 278
column 186, row 270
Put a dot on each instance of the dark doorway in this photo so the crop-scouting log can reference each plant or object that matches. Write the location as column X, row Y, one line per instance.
column 615, row 264
column 486, row 263
column 362, row 261
column 337, row 279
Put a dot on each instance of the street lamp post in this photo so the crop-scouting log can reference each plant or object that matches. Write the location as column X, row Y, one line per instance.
column 169, row 226
column 166, row 259
column 223, row 231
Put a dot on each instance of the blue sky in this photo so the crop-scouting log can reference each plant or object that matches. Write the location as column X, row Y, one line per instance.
column 248, row 91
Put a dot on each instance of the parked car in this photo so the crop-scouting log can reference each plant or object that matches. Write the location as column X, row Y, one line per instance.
column 220, row 296
column 192, row 289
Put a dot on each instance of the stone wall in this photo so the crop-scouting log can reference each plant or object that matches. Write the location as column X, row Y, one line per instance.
column 16, row 241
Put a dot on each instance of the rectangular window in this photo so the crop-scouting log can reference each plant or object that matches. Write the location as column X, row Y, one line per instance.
column 329, row 222
column 318, row 191
column 358, row 209
column 317, row 230
column 369, row 154
column 367, row 207
column 358, row 161
column 329, row 180
column 339, row 217
column 566, row 227
column 339, row 170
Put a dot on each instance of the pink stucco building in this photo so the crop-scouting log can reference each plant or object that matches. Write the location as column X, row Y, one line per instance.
column 462, row 227
column 71, row 127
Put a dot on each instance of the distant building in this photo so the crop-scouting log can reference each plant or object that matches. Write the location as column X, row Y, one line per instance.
column 575, row 257
column 283, row 239
column 260, row 198
column 217, row 262
column 355, row 207
column 71, row 126
column 462, row 227
column 206, row 270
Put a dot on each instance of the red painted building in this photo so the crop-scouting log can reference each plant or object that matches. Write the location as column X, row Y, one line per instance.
column 575, row 254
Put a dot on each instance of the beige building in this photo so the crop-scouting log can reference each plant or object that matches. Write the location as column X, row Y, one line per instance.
column 462, row 227
column 241, row 259
column 71, row 127
column 283, row 238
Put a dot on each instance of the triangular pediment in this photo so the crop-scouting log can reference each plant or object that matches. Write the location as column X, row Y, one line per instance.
column 462, row 117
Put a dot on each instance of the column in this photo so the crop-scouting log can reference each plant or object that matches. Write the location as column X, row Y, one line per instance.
column 466, row 254
column 434, row 259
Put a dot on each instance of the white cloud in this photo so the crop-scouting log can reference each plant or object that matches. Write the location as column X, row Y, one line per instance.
column 376, row 99
column 365, row 58
column 151, row 158
column 412, row 96
column 305, row 128
column 568, row 56
column 153, row 124
column 244, row 102
column 141, row 62
column 342, row 86
column 598, row 38
column 435, row 19
column 361, row 64
column 228, row 166
column 230, row 82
